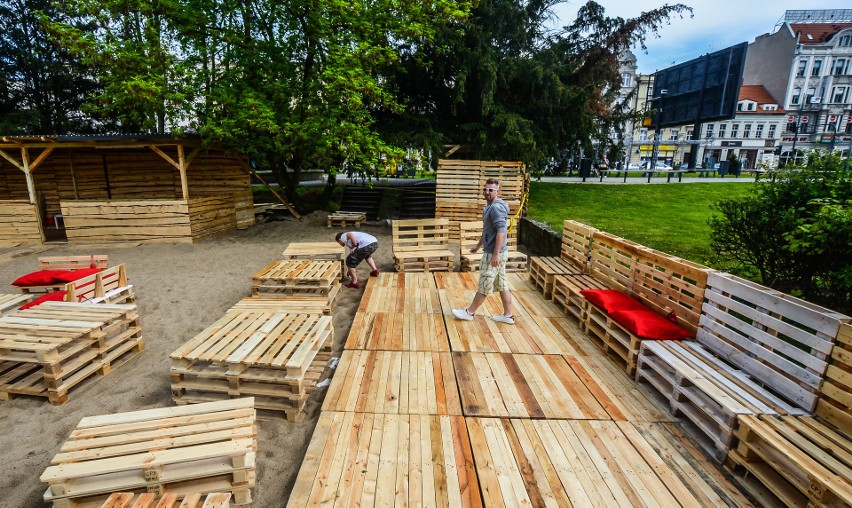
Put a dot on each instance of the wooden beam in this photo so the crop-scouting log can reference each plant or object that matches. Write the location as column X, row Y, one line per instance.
column 25, row 158
column 11, row 160
column 250, row 171
column 184, row 184
column 164, row 156
column 44, row 154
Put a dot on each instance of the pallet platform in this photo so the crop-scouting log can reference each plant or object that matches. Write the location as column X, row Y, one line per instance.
column 150, row 500
column 10, row 303
column 381, row 460
column 523, row 386
column 246, row 353
column 422, row 280
column 210, row 447
column 708, row 392
column 394, row 382
column 400, row 299
column 345, row 219
column 317, row 251
column 289, row 277
column 398, row 331
column 47, row 350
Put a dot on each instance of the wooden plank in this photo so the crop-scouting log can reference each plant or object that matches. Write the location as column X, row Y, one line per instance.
column 10, row 303
column 398, row 331
column 835, row 395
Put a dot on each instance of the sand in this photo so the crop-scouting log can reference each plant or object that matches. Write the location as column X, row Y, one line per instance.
column 181, row 289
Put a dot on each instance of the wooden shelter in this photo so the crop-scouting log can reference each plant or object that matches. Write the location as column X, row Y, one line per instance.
column 125, row 188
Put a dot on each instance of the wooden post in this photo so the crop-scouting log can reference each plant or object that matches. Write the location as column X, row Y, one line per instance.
column 25, row 159
column 182, row 164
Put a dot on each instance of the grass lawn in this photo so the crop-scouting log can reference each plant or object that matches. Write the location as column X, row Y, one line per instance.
column 671, row 218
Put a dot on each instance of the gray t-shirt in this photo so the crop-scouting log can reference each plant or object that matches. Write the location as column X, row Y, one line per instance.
column 495, row 219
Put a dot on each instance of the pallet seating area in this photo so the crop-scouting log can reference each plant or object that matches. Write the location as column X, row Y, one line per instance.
column 573, row 258
column 422, row 245
column 47, row 350
column 469, row 234
column 758, row 352
column 151, row 500
column 64, row 263
column 181, row 450
column 345, row 219
column 413, row 416
column 803, row 459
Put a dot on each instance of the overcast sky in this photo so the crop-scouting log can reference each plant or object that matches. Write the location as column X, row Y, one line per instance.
column 716, row 25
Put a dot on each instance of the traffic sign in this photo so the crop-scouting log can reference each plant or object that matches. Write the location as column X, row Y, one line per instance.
column 804, row 119
column 791, row 119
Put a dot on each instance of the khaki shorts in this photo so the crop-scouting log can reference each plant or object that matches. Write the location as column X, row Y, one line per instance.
column 493, row 278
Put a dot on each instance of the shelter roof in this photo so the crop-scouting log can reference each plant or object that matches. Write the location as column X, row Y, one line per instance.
column 99, row 140
column 817, row 33
column 761, row 96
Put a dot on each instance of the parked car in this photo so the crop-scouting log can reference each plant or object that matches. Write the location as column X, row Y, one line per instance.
column 662, row 166
column 637, row 165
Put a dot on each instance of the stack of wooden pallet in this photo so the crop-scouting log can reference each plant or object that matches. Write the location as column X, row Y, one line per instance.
column 317, row 251
column 10, row 303
column 151, row 500
column 47, row 350
column 298, row 280
column 459, row 187
column 269, row 355
column 344, row 219
column 193, row 449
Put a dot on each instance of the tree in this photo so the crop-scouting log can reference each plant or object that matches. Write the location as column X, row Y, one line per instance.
column 794, row 230
column 504, row 86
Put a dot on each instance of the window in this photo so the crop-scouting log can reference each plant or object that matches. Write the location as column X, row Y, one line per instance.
column 809, row 96
column 816, row 68
column 735, row 130
column 689, row 135
column 801, row 70
column 838, row 94
column 846, row 40
column 673, row 134
column 626, row 79
column 722, row 128
column 643, row 135
column 708, row 131
column 771, row 133
column 797, row 94
column 758, row 131
column 839, row 67
column 747, row 130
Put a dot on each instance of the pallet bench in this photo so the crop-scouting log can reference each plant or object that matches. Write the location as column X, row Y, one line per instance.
column 317, row 251
column 151, row 500
column 757, row 351
column 422, row 245
column 200, row 448
column 344, row 219
column 291, row 277
column 470, row 233
column 108, row 286
column 69, row 263
column 47, row 350
column 573, row 258
column 271, row 356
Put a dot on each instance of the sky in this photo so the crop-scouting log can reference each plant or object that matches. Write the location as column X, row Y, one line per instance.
column 715, row 25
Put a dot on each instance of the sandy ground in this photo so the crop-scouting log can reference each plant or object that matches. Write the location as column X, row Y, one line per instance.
column 180, row 290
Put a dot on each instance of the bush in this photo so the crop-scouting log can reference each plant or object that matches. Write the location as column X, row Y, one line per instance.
column 794, row 230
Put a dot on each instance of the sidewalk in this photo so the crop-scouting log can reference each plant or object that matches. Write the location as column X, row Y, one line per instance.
column 642, row 180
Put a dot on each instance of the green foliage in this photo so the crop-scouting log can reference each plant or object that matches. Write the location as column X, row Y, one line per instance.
column 794, row 230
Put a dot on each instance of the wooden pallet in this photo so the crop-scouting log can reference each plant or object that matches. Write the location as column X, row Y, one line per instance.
column 400, row 299
column 319, row 305
column 249, row 353
column 543, row 272
column 344, row 219
column 577, row 244
column 566, row 293
column 49, row 349
column 150, row 500
column 470, row 233
column 611, row 337
column 406, row 280
column 317, row 251
column 529, row 335
column 10, row 303
column 582, row 463
column 285, row 278
column 456, row 280
column 380, row 460
column 613, row 259
column 398, row 331
column 422, row 245
column 394, row 382
column 835, row 393
column 706, row 390
column 800, row 460
column 100, row 261
column 516, row 262
column 160, row 451
column 523, row 386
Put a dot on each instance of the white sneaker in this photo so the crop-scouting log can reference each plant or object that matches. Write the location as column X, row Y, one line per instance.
column 502, row 318
column 462, row 314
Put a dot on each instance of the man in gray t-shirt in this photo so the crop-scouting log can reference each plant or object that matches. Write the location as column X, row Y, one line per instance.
column 492, row 267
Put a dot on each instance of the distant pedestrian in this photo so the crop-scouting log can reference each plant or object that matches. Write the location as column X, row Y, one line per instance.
column 492, row 267
column 361, row 247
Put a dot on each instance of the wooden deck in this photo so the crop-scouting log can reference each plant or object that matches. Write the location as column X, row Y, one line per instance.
column 428, row 410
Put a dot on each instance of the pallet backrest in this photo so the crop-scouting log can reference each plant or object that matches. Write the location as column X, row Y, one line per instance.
column 782, row 341
column 577, row 244
column 835, row 394
column 669, row 284
column 471, row 231
column 421, row 234
column 73, row 262
column 96, row 286
column 612, row 260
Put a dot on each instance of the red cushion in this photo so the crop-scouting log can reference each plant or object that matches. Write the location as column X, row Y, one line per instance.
column 611, row 300
column 40, row 278
column 55, row 296
column 71, row 276
column 648, row 324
